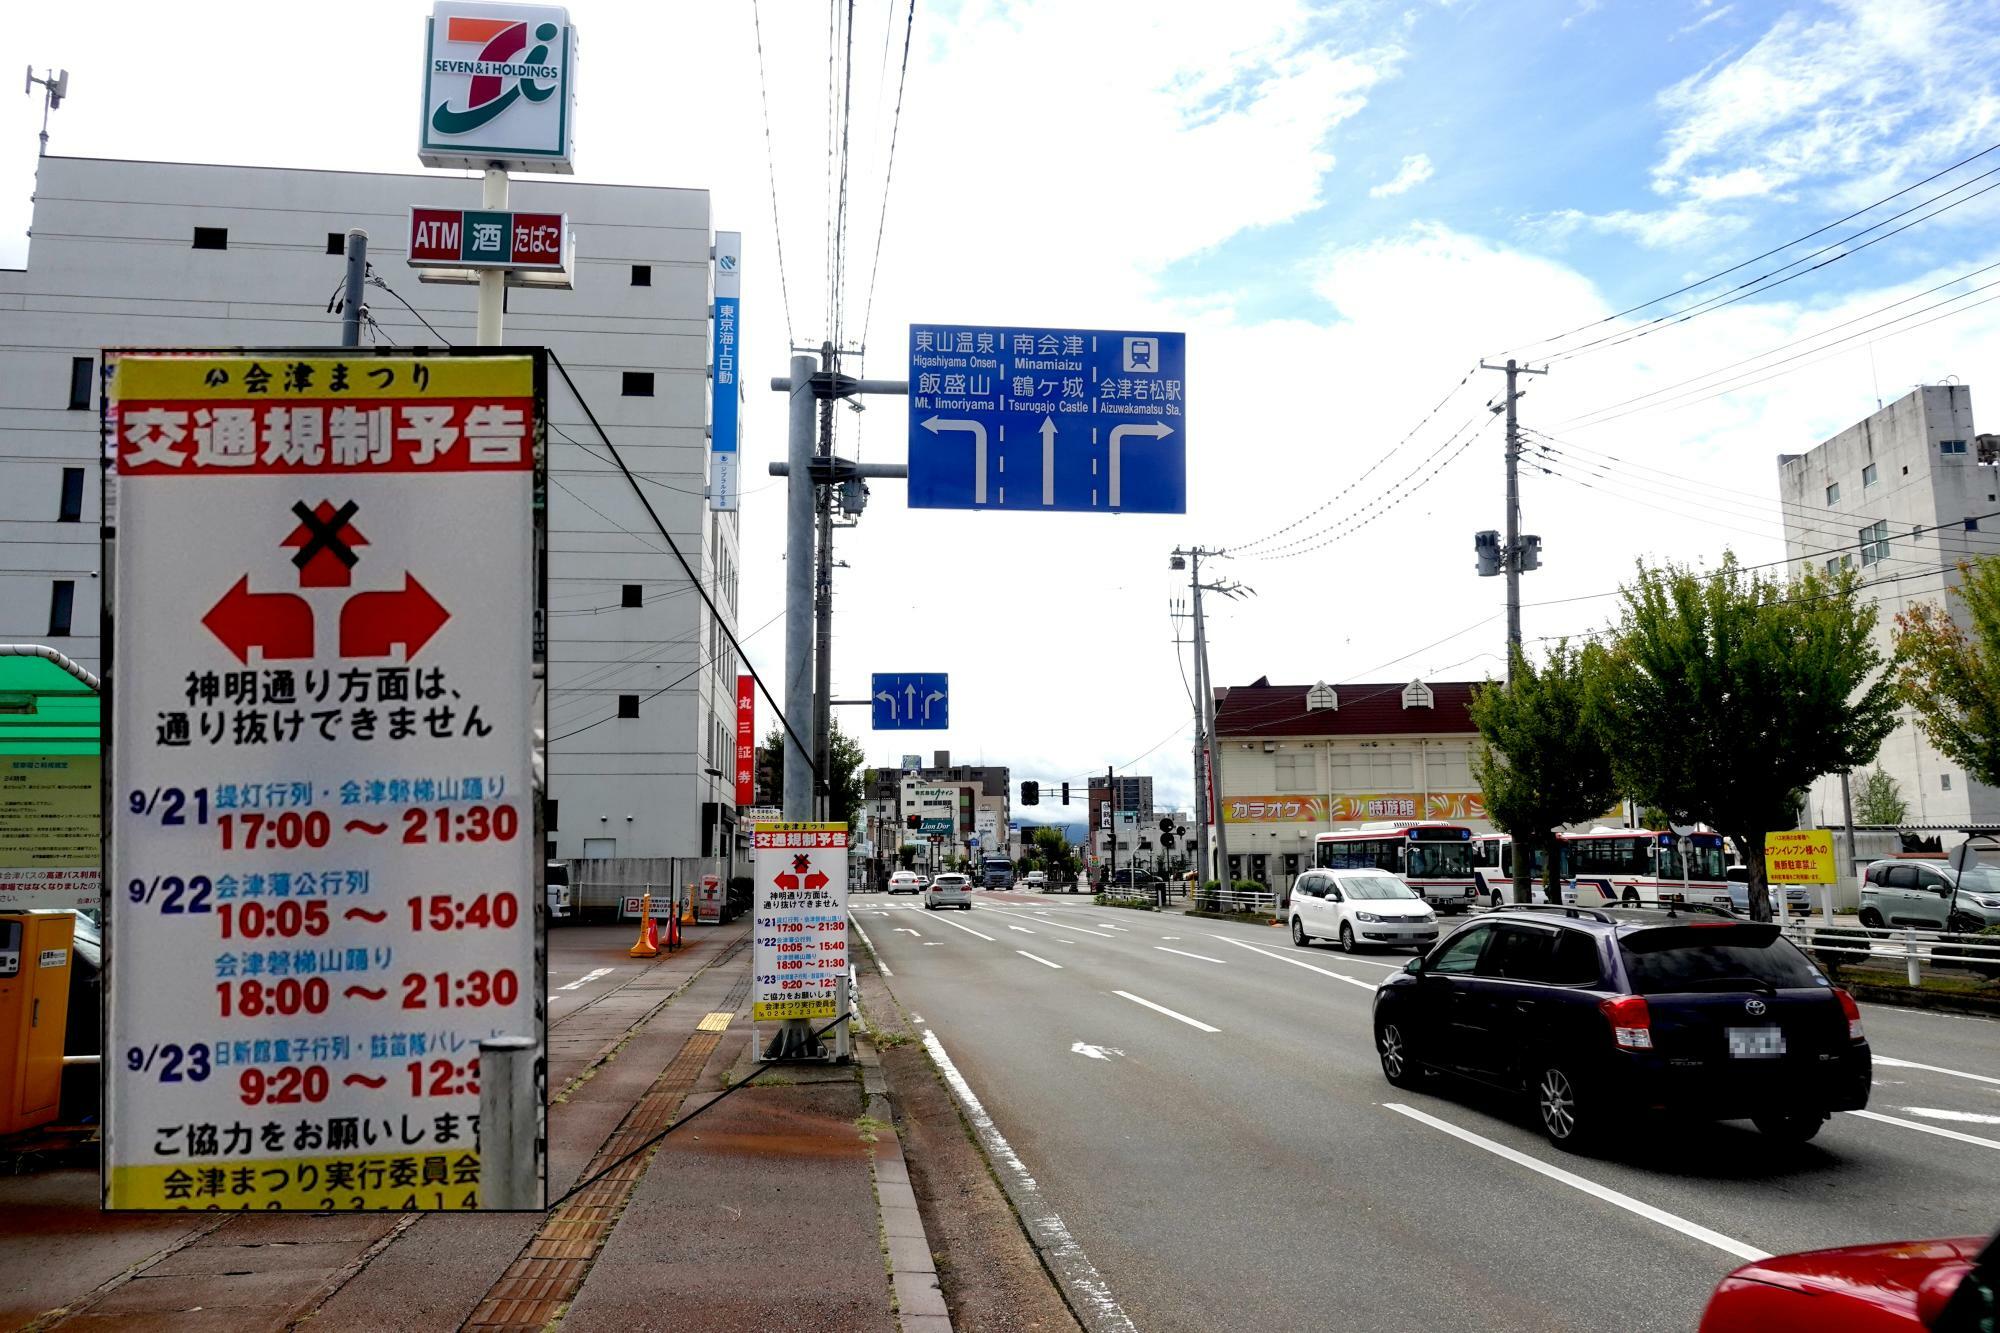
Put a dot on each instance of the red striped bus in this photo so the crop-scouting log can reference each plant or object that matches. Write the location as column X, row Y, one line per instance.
column 1433, row 858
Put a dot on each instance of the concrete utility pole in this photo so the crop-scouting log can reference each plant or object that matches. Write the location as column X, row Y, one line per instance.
column 357, row 277
column 1512, row 555
column 1204, row 809
column 1204, row 682
column 823, row 601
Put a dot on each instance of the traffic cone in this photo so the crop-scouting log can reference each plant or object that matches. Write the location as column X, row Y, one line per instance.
column 673, row 932
column 648, row 945
column 686, row 916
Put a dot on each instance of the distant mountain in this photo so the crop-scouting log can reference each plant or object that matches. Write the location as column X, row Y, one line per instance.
column 1072, row 830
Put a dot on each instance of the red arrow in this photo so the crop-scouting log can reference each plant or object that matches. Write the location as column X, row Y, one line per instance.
column 789, row 883
column 816, row 880
column 281, row 623
column 371, row 623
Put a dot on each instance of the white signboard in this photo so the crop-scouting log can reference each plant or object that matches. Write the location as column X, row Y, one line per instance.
column 798, row 957
column 499, row 87
column 324, row 863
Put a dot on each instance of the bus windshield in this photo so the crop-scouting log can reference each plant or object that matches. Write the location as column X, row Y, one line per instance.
column 1702, row 862
column 1439, row 860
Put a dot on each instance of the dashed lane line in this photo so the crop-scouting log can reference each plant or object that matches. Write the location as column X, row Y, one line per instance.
column 1162, row 1009
column 1938, row 1130
column 967, row 929
column 1035, row 958
column 1185, row 954
column 1295, row 962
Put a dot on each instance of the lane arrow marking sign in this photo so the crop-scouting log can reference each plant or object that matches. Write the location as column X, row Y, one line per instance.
column 978, row 431
column 1158, row 430
column 890, row 700
column 1048, row 460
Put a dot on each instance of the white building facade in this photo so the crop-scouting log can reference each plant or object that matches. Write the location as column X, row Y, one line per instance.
column 1903, row 495
column 154, row 254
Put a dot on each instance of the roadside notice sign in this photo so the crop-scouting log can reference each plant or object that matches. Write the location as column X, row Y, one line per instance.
column 798, row 959
column 325, row 869
column 1799, row 856
column 49, row 841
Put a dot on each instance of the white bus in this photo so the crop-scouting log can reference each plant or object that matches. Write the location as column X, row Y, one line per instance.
column 1433, row 858
column 1493, row 869
column 1624, row 865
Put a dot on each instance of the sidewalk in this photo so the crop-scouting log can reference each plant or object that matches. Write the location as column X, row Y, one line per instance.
column 760, row 1215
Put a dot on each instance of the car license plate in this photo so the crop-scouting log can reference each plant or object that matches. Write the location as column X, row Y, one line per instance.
column 1756, row 1043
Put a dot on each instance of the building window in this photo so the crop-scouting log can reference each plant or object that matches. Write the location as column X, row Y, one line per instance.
column 1417, row 695
column 634, row 595
column 336, row 243
column 628, row 705
column 62, row 600
column 82, row 370
column 638, row 384
column 1838, row 563
column 1944, row 781
column 72, row 496
column 1951, row 447
column 1875, row 543
column 1867, row 476
column 549, row 808
column 642, row 275
column 211, row 238
column 1833, row 492
column 1295, row 772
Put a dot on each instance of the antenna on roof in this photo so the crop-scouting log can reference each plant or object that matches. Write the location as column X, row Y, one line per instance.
column 55, row 87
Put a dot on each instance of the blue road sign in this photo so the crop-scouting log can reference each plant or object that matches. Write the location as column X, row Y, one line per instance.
column 911, row 700
column 1048, row 419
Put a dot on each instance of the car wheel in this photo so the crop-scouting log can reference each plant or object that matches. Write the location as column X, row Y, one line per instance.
column 1871, row 918
column 1299, row 936
column 1560, row 1110
column 1789, row 1126
column 1347, row 944
column 1397, row 1066
column 1497, row 900
column 1631, row 898
column 1965, row 923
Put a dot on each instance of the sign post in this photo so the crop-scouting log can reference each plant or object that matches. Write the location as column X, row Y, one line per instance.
column 1047, row 419
column 798, row 960
column 325, row 881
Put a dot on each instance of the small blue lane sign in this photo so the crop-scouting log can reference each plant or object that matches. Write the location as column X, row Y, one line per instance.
column 1048, row 419
column 911, row 700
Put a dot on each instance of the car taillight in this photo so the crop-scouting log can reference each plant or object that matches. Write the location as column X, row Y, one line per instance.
column 1853, row 1012
column 1631, row 1022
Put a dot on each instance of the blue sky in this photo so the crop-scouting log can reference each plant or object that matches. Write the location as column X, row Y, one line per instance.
column 1344, row 206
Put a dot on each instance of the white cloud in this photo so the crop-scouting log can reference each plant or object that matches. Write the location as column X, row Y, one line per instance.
column 1666, row 228
column 1416, row 169
column 1710, row 17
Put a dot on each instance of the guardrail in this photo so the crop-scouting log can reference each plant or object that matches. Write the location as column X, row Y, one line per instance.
column 1912, row 947
column 1234, row 900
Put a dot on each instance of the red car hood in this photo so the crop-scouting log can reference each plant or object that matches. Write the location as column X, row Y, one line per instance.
column 1884, row 1276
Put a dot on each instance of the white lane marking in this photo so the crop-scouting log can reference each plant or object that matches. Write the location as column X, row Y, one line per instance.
column 916, row 1018
column 1043, row 961
column 1370, row 962
column 1938, row 1130
column 1169, row 937
column 871, row 947
column 967, row 929
column 1108, row 926
column 1185, row 954
column 1081, row 928
column 1095, row 1052
column 588, row 977
column 1962, row 1117
column 1023, row 929
column 1611, row 1196
column 1935, row 1069
column 1352, row 981
column 905, row 930
column 1161, row 1008
column 1072, row 1267
column 1061, row 940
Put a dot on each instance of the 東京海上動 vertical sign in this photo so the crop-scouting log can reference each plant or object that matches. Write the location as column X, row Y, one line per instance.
column 324, row 875
column 725, row 384
column 1047, row 419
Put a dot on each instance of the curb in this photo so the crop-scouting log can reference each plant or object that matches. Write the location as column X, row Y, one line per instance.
column 1944, row 1002
column 920, row 1306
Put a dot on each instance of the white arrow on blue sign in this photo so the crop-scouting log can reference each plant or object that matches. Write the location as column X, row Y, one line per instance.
column 910, row 700
column 1047, row 419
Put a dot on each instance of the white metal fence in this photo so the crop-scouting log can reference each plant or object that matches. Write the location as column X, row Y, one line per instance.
column 1891, row 947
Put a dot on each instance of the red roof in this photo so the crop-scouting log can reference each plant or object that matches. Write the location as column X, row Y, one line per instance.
column 1263, row 709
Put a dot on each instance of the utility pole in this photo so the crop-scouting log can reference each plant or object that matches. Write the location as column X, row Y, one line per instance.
column 1514, row 558
column 823, row 602
column 1205, row 705
column 357, row 276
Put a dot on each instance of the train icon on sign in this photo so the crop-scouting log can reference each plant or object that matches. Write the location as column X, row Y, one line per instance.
column 1142, row 354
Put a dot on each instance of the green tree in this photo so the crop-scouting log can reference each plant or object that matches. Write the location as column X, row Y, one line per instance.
column 1057, row 856
column 1951, row 678
column 1880, row 800
column 846, row 794
column 1728, row 692
column 1540, row 766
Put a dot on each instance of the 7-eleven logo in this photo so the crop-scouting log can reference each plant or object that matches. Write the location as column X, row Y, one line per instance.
column 506, row 69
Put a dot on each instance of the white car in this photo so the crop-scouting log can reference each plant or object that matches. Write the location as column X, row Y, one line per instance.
column 950, row 890
column 905, row 881
column 1359, row 908
column 1035, row 881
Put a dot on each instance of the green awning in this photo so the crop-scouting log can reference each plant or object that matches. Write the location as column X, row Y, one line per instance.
column 46, row 710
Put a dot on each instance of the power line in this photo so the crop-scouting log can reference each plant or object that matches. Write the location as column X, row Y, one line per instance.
column 888, row 175
column 1797, row 240
column 697, row 670
column 771, row 162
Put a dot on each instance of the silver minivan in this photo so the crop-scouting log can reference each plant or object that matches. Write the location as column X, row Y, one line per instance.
column 1930, row 895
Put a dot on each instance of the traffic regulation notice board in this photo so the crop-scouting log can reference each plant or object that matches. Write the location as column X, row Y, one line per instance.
column 323, row 889
column 798, row 956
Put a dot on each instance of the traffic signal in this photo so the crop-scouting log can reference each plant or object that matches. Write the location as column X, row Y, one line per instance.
column 1031, row 793
column 1065, row 793
column 1166, row 824
column 915, row 821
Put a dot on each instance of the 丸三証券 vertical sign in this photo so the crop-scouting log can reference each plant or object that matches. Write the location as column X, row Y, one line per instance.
column 323, row 890
column 798, row 958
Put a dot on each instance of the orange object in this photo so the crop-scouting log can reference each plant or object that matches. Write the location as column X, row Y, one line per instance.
column 36, row 958
column 649, row 939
